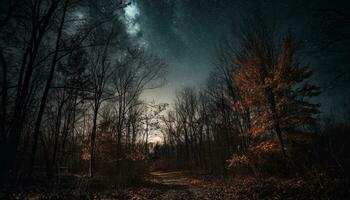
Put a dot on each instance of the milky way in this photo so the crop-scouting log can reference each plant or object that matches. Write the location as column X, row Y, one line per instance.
column 184, row 33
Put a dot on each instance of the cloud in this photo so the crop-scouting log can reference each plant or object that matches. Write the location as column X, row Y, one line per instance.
column 131, row 14
column 132, row 11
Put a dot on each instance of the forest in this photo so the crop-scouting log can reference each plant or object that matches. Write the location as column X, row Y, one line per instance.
column 75, row 123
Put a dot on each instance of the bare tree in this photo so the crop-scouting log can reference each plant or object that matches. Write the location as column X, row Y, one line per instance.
column 136, row 71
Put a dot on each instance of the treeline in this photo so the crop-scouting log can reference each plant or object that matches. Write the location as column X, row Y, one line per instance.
column 257, row 104
column 70, row 88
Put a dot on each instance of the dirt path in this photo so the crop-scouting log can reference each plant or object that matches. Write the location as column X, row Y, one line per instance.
column 168, row 186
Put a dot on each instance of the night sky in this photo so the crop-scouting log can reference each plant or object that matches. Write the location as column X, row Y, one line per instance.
column 185, row 33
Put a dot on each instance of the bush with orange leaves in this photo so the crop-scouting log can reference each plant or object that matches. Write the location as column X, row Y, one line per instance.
column 260, row 159
column 266, row 158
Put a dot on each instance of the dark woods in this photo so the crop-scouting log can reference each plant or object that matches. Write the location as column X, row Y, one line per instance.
column 256, row 115
column 67, row 100
column 259, row 93
column 71, row 82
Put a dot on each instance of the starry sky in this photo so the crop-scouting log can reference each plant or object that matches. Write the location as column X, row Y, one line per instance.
column 185, row 33
column 182, row 33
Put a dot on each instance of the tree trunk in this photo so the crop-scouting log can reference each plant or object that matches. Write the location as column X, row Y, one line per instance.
column 92, row 141
column 3, row 99
column 276, row 123
column 46, row 92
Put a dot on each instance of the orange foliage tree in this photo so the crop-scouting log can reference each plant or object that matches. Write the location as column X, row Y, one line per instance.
column 273, row 85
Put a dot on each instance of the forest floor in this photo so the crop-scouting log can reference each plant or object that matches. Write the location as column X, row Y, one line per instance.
column 189, row 185
column 182, row 185
column 165, row 185
column 185, row 185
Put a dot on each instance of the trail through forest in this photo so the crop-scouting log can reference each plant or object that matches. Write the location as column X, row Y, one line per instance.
column 169, row 186
column 193, row 185
column 189, row 185
column 97, row 95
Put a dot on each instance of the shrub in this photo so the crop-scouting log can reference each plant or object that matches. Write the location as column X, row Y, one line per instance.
column 123, row 172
